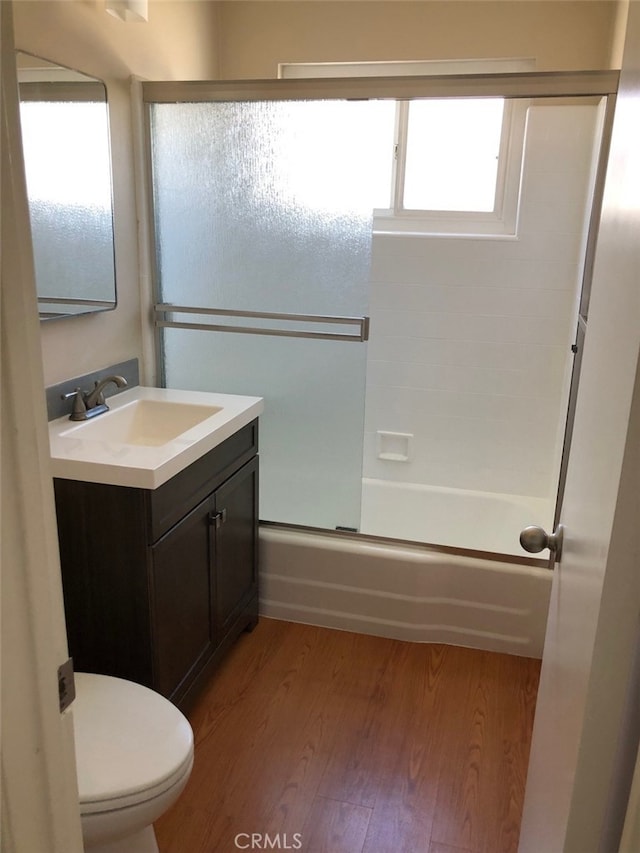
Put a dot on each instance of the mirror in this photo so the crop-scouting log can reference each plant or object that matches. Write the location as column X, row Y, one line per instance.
column 65, row 136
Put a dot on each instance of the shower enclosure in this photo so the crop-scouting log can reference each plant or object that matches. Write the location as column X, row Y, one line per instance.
column 416, row 369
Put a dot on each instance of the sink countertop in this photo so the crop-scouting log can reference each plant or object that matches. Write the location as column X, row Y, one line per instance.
column 123, row 464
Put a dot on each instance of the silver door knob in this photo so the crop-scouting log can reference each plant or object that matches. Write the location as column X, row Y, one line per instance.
column 535, row 539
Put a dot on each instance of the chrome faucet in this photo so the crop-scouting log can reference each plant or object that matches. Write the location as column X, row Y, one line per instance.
column 88, row 404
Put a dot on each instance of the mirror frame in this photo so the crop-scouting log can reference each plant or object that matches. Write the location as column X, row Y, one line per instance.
column 60, row 306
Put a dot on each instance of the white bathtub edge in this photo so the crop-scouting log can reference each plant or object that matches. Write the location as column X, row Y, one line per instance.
column 403, row 592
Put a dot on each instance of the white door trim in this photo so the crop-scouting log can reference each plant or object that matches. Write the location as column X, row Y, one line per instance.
column 573, row 797
column 39, row 791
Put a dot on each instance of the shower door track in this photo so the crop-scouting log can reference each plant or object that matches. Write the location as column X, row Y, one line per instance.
column 529, row 84
column 475, row 553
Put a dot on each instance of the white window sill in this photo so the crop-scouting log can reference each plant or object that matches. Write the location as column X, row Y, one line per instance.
column 463, row 235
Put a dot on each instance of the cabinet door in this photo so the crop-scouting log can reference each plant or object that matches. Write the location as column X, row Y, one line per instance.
column 181, row 597
column 236, row 545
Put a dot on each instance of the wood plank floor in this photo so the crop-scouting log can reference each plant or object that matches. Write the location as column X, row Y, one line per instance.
column 358, row 744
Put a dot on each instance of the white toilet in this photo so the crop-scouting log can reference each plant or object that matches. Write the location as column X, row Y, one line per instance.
column 134, row 753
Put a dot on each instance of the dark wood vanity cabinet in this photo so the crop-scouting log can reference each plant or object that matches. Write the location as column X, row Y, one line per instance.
column 158, row 583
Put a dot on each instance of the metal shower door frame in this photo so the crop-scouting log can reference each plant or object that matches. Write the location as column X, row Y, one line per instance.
column 512, row 85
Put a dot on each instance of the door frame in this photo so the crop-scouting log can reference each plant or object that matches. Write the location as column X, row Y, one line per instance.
column 587, row 725
column 40, row 809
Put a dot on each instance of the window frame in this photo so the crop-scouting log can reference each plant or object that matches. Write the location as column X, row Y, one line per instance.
column 502, row 220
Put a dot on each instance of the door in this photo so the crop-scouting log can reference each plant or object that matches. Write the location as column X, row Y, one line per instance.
column 236, row 558
column 39, row 789
column 182, row 619
column 579, row 731
column 263, row 243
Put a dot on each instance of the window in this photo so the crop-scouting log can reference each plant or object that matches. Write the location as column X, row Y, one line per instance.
column 451, row 165
column 451, row 154
column 455, row 168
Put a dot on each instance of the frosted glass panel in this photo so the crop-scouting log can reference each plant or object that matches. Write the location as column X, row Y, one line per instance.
column 264, row 206
column 312, row 428
column 268, row 207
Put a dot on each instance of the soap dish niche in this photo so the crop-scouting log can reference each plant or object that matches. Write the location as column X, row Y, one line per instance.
column 393, row 446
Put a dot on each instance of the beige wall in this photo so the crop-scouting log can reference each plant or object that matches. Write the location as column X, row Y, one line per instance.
column 560, row 35
column 178, row 42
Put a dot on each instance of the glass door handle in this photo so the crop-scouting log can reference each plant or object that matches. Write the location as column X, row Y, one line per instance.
column 167, row 313
column 535, row 539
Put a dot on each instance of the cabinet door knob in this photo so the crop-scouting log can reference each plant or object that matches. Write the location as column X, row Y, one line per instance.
column 218, row 518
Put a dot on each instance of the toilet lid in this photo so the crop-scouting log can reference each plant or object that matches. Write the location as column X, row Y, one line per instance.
column 129, row 740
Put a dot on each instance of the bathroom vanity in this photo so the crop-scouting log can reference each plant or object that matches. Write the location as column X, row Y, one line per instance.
column 159, row 580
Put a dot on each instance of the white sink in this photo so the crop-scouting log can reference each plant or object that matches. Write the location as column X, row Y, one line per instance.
column 148, row 435
column 151, row 423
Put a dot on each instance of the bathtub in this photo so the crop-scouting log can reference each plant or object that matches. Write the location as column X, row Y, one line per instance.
column 459, row 518
column 408, row 591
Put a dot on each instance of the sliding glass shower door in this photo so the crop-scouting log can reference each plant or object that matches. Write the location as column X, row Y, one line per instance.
column 263, row 244
column 264, row 199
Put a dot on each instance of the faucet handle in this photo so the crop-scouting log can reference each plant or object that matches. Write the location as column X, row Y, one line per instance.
column 78, row 412
column 100, row 401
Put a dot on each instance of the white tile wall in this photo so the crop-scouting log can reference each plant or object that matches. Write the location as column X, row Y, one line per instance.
column 470, row 338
